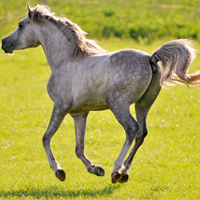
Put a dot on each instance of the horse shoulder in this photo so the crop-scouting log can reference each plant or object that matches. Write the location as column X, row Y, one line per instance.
column 59, row 84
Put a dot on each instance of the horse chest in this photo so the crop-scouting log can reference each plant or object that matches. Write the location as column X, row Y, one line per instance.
column 58, row 85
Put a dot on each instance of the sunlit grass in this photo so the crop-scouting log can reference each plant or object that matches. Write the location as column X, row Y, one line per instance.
column 167, row 166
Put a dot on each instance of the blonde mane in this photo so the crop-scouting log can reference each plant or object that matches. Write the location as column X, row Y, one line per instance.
column 80, row 45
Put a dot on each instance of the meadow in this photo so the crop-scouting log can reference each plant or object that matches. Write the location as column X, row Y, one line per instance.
column 167, row 166
column 145, row 20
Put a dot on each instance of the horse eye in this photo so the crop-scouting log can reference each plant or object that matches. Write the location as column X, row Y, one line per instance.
column 20, row 26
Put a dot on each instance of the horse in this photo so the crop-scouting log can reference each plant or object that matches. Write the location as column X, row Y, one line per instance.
column 84, row 77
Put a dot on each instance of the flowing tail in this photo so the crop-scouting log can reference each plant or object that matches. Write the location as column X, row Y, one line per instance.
column 176, row 57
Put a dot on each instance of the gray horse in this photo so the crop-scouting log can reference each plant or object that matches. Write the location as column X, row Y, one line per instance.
column 84, row 78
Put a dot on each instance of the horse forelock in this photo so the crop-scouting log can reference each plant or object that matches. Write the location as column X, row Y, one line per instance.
column 40, row 13
column 80, row 45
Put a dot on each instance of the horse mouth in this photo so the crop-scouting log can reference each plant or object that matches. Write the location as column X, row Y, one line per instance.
column 7, row 46
column 7, row 49
column 10, row 52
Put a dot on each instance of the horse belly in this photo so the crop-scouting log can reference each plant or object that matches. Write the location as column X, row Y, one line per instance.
column 88, row 94
column 91, row 101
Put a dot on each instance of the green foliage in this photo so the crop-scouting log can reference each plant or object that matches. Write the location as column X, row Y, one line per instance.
column 140, row 20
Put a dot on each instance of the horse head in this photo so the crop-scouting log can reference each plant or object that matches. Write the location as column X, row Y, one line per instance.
column 23, row 37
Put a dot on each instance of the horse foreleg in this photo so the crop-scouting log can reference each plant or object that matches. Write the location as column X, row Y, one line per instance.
column 80, row 127
column 57, row 117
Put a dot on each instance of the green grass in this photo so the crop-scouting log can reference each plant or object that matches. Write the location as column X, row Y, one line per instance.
column 167, row 166
column 146, row 20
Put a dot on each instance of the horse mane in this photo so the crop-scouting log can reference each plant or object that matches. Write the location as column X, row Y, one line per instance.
column 80, row 45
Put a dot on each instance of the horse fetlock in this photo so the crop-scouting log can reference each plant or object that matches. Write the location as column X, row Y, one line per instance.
column 125, row 169
column 90, row 168
column 54, row 165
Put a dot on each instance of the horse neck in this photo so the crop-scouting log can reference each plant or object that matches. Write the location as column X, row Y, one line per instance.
column 55, row 45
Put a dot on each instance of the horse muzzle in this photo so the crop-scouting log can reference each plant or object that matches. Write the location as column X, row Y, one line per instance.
column 6, row 46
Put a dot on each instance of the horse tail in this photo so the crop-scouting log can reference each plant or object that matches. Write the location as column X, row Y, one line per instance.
column 176, row 56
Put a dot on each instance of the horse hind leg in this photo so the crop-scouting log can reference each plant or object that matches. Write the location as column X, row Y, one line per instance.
column 131, row 128
column 80, row 127
column 142, row 108
column 141, row 115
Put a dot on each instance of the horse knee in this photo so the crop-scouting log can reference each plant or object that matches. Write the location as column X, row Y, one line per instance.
column 45, row 140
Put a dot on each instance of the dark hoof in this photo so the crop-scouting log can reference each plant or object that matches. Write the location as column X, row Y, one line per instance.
column 99, row 171
column 124, row 178
column 116, row 177
column 60, row 174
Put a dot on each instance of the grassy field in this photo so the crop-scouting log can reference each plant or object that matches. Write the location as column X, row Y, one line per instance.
column 141, row 20
column 167, row 166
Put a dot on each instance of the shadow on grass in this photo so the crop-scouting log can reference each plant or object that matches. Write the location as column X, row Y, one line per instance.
column 55, row 192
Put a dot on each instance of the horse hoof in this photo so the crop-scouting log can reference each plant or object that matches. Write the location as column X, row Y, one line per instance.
column 99, row 171
column 124, row 178
column 60, row 174
column 116, row 177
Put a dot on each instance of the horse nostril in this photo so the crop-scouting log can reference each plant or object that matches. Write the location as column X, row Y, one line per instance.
column 3, row 41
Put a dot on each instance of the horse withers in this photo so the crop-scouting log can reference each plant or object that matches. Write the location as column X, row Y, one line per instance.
column 84, row 77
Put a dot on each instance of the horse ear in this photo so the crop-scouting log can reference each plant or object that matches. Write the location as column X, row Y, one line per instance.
column 29, row 10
